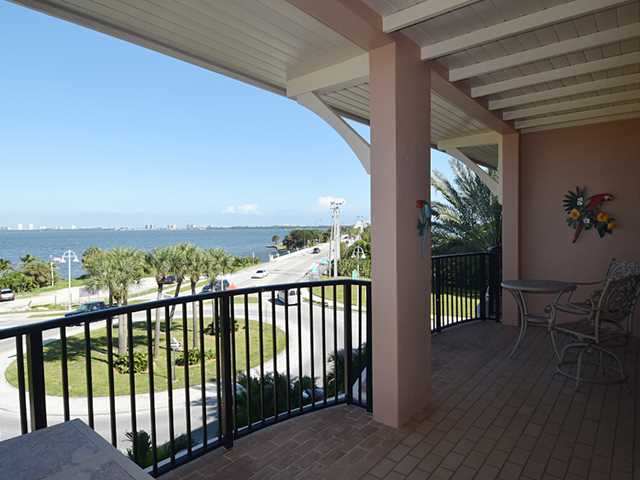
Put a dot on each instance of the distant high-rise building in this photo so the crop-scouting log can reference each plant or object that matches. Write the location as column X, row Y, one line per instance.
column 148, row 227
column 20, row 227
column 30, row 226
column 172, row 226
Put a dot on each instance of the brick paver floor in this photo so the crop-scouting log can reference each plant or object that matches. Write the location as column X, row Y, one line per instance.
column 491, row 417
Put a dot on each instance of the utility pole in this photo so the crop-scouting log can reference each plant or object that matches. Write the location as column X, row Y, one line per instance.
column 334, row 244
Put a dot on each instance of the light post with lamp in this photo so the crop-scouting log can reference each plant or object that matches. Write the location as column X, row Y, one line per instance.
column 68, row 257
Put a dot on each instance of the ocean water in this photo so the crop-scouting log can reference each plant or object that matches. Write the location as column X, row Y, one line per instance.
column 45, row 243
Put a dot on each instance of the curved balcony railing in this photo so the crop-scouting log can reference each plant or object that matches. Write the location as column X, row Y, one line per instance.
column 224, row 364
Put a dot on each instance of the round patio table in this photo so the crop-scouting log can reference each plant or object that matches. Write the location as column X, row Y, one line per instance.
column 520, row 288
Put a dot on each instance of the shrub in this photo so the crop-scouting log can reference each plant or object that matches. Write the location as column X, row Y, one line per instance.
column 17, row 281
column 144, row 457
column 193, row 357
column 140, row 363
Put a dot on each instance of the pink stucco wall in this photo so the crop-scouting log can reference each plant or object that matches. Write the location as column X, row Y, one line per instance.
column 603, row 158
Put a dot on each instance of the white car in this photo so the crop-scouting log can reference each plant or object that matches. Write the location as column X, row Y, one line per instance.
column 288, row 298
column 7, row 295
column 260, row 273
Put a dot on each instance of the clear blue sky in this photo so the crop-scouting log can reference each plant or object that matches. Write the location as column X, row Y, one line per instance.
column 96, row 131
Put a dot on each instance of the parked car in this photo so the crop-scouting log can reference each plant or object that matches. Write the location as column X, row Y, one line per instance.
column 7, row 295
column 86, row 308
column 208, row 288
column 290, row 298
column 316, row 250
column 221, row 285
column 168, row 280
column 260, row 273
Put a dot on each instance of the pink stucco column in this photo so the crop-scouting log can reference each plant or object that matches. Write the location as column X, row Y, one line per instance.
column 510, row 221
column 400, row 175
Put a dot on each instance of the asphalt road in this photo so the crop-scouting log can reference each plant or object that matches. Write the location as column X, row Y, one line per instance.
column 305, row 327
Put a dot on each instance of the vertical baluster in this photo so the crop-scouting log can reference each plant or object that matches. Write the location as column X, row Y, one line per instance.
column 88, row 371
column 286, row 333
column 132, row 386
column 311, row 349
column 335, row 340
column 203, row 377
column 348, row 343
column 299, row 310
column 261, row 348
column 185, row 356
column 152, row 394
column 359, row 344
column 216, row 329
column 247, row 346
column 369, row 351
column 324, row 348
column 275, row 354
column 234, row 365
column 65, row 372
column 167, row 334
column 22, row 399
column 225, row 369
column 110, row 379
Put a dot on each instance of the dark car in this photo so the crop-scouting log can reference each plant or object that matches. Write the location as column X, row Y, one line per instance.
column 168, row 280
column 316, row 250
column 86, row 308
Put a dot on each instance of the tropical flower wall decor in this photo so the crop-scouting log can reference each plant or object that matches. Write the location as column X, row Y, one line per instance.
column 585, row 213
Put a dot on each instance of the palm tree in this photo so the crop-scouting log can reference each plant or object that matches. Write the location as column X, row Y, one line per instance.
column 4, row 265
column 100, row 274
column 470, row 218
column 158, row 263
column 196, row 267
column 127, row 268
column 178, row 266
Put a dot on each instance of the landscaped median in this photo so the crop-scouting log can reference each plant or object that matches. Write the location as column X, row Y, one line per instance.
column 99, row 367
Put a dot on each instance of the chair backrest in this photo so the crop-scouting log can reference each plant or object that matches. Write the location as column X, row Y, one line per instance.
column 619, row 269
column 618, row 299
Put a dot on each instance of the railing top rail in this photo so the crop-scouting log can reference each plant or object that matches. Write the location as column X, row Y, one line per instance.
column 466, row 254
column 166, row 302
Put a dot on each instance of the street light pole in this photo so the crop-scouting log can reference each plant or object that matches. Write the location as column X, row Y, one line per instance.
column 68, row 256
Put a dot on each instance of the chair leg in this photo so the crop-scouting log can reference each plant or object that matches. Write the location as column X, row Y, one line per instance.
column 554, row 343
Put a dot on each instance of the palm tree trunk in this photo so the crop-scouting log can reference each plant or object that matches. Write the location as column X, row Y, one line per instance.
column 177, row 294
column 156, row 339
column 194, row 317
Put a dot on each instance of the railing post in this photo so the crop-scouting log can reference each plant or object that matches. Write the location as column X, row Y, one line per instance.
column 227, row 420
column 485, row 285
column 435, row 285
column 35, row 370
column 348, row 343
column 369, row 351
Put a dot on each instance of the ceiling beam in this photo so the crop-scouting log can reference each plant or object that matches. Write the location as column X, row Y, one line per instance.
column 340, row 75
column 584, row 87
column 525, row 23
column 583, row 115
column 456, row 96
column 551, row 50
column 485, row 138
column 421, row 12
column 572, row 104
column 589, row 121
column 557, row 74
column 354, row 20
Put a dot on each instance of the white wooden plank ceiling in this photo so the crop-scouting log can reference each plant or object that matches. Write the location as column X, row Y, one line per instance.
column 542, row 63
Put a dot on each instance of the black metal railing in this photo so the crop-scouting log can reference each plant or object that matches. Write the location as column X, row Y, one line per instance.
column 465, row 287
column 225, row 364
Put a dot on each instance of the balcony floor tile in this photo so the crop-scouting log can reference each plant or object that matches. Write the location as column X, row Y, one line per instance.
column 491, row 417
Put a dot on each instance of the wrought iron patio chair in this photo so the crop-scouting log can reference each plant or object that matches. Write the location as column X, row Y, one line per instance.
column 605, row 326
column 616, row 269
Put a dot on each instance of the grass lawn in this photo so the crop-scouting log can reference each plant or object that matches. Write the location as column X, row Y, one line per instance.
column 328, row 294
column 59, row 285
column 76, row 359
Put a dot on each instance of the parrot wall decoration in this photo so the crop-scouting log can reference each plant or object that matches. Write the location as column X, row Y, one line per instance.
column 585, row 213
